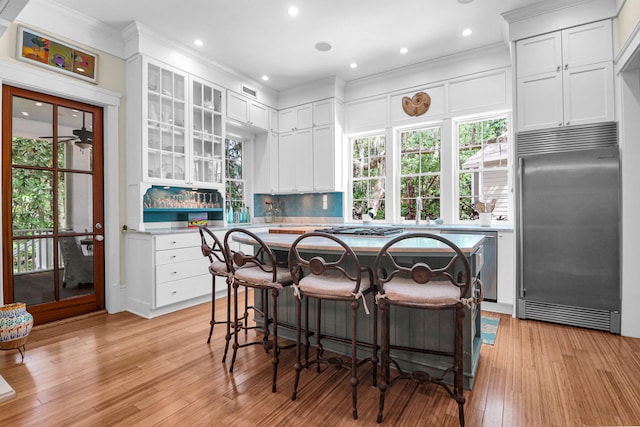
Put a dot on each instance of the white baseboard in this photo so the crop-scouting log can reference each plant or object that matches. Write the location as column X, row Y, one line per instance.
column 6, row 392
column 497, row 307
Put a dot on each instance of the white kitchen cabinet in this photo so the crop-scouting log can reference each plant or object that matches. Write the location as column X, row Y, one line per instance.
column 248, row 111
column 174, row 127
column 305, row 160
column 165, row 273
column 540, row 101
column 295, row 161
column 506, row 268
column 295, row 118
column 327, row 168
column 175, row 131
column 207, row 133
column 266, row 164
column 565, row 78
column 273, row 120
column 160, row 122
column 323, row 112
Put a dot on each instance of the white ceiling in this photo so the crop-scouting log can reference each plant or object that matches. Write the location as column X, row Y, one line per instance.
column 257, row 37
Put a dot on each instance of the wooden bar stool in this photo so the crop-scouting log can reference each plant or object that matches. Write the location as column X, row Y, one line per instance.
column 407, row 280
column 338, row 277
column 220, row 259
column 213, row 248
column 258, row 271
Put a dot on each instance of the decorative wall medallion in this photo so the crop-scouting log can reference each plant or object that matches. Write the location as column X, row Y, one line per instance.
column 418, row 105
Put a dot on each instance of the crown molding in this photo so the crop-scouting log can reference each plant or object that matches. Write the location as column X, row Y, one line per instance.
column 540, row 8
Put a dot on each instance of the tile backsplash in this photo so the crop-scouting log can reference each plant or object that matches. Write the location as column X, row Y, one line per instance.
column 300, row 206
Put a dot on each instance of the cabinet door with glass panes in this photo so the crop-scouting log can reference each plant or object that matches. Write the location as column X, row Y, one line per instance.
column 207, row 143
column 166, row 114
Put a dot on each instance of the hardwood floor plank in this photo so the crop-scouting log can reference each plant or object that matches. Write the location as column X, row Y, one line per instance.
column 121, row 369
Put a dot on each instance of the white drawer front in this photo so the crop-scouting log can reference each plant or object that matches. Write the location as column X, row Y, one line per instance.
column 172, row 241
column 182, row 290
column 181, row 270
column 179, row 255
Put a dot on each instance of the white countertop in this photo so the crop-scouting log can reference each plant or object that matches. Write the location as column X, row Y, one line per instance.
column 406, row 226
column 468, row 243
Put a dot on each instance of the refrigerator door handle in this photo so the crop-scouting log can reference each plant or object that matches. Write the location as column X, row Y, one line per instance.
column 520, row 222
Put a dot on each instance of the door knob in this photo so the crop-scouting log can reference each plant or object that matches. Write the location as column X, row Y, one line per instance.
column 98, row 226
column 99, row 237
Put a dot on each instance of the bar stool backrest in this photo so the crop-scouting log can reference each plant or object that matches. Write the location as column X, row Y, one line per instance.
column 262, row 257
column 394, row 262
column 343, row 260
column 215, row 251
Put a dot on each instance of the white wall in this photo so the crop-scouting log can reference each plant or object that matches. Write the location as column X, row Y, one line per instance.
column 38, row 15
column 628, row 91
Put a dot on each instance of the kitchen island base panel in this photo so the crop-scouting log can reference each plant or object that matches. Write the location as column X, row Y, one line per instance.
column 409, row 326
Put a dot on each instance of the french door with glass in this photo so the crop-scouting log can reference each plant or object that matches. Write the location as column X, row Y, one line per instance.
column 52, row 204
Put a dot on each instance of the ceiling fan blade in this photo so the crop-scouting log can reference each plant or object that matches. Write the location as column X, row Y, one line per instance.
column 84, row 135
column 63, row 138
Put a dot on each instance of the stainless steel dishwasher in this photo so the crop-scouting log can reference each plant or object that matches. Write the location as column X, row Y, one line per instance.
column 489, row 273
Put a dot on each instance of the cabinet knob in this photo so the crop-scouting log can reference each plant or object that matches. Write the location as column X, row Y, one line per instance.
column 560, row 124
column 567, row 123
column 558, row 69
column 566, row 66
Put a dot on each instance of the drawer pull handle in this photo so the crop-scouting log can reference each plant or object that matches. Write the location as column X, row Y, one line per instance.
column 173, row 256
column 174, row 292
column 173, row 242
column 174, row 272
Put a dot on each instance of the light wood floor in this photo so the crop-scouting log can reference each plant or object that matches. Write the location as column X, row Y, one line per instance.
column 124, row 370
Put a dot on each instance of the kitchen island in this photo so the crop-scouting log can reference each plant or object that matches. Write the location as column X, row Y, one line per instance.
column 410, row 327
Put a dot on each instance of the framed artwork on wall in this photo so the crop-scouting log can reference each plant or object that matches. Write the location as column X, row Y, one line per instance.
column 45, row 51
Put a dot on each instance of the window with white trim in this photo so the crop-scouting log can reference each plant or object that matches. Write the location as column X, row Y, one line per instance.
column 368, row 173
column 483, row 168
column 234, row 173
column 420, row 161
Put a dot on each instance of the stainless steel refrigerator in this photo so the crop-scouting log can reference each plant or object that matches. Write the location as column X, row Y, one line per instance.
column 568, row 226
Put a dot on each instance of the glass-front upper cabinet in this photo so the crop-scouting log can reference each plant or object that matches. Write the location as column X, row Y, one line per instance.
column 166, row 126
column 207, row 149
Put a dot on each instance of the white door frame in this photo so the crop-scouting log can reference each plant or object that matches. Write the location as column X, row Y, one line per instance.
column 23, row 76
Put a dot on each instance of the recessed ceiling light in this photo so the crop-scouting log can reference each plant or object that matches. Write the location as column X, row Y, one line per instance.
column 293, row 11
column 198, row 42
column 404, row 50
column 265, row 77
column 323, row 46
column 38, row 104
column 467, row 32
column 353, row 65
column 24, row 113
column 80, row 69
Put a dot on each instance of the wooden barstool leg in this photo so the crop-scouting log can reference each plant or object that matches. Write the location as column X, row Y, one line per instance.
column 275, row 360
column 265, row 324
column 374, row 356
column 307, row 343
column 384, row 335
column 228, row 335
column 354, row 357
column 235, row 326
column 298, row 365
column 459, row 365
column 319, row 349
column 245, row 316
column 213, row 308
